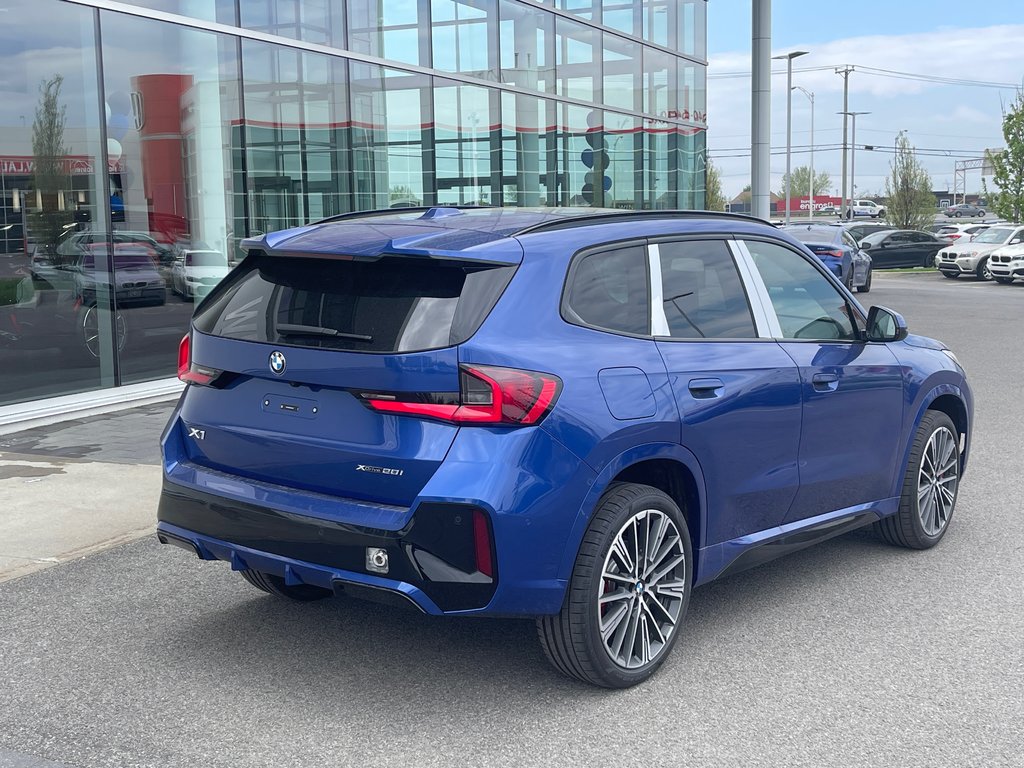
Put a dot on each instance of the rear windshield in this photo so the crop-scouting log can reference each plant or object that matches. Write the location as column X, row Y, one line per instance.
column 391, row 305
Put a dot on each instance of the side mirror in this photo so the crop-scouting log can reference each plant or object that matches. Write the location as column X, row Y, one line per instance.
column 886, row 325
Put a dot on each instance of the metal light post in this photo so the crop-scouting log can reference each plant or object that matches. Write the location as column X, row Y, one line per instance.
column 789, row 116
column 853, row 149
column 810, row 95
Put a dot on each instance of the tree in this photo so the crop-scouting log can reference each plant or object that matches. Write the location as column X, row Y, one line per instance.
column 714, row 197
column 50, row 174
column 1009, row 165
column 909, row 189
column 800, row 186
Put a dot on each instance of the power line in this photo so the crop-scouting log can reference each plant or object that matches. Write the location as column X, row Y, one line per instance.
column 891, row 73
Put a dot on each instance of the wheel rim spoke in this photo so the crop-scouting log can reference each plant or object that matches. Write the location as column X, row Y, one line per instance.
column 643, row 589
column 937, row 481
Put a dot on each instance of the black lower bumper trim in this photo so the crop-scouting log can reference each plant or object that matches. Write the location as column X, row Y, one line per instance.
column 439, row 533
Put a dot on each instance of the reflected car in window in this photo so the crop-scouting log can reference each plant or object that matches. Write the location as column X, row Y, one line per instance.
column 136, row 278
column 195, row 273
column 902, row 248
column 838, row 251
column 574, row 415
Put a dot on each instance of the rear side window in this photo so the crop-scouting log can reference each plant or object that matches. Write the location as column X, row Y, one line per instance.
column 609, row 290
column 702, row 292
column 390, row 305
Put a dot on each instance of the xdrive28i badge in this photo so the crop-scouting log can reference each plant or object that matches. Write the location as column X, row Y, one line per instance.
column 277, row 362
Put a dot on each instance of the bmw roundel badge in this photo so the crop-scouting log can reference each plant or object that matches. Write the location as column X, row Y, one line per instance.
column 277, row 362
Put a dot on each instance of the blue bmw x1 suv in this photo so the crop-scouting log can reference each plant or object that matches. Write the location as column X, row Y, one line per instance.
column 573, row 415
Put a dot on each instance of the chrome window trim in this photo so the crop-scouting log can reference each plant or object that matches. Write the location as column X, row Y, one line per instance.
column 659, row 321
column 765, row 318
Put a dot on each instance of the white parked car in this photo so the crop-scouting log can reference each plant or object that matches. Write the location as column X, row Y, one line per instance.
column 1007, row 263
column 973, row 258
column 195, row 273
column 965, row 232
column 867, row 208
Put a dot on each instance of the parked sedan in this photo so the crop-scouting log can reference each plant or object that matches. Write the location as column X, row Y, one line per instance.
column 862, row 230
column 964, row 209
column 838, row 251
column 902, row 248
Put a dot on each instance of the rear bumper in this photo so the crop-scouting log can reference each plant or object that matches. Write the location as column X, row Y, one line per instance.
column 431, row 561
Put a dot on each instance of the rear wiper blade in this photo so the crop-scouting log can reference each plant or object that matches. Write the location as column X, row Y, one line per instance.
column 294, row 329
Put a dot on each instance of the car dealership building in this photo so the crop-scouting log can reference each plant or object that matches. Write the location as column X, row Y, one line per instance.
column 141, row 131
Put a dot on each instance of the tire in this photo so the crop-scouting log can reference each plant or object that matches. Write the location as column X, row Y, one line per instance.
column 958, row 214
column 981, row 214
column 274, row 585
column 603, row 580
column 1003, row 280
column 951, row 275
column 867, row 284
column 983, row 272
column 936, row 443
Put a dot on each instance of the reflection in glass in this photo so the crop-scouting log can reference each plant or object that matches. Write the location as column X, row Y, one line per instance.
column 56, row 314
column 179, row 88
column 527, row 46
column 464, row 144
column 577, row 61
column 462, row 38
column 296, row 115
column 389, row 30
column 392, row 139
column 529, row 156
column 313, row 21
column 621, row 73
column 222, row 11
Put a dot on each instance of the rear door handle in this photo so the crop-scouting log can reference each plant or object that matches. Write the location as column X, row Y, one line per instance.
column 705, row 388
column 825, row 382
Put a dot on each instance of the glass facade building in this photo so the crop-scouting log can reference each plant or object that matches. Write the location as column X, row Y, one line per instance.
column 141, row 141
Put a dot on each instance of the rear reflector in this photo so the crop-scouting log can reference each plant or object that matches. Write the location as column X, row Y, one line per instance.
column 487, row 395
column 482, row 544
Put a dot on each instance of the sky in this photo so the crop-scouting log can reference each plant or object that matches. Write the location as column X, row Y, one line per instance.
column 959, row 40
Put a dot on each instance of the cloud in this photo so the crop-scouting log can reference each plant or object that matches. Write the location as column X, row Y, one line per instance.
column 961, row 119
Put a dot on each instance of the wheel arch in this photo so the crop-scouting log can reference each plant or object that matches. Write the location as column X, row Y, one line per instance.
column 668, row 467
column 947, row 399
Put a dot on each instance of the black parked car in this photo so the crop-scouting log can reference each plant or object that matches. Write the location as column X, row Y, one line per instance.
column 902, row 248
column 860, row 231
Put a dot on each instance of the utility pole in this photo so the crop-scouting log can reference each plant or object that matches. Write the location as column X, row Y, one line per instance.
column 853, row 150
column 760, row 107
column 789, row 118
column 845, row 73
column 810, row 95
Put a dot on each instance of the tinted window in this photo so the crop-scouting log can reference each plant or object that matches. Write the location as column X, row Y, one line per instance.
column 608, row 290
column 390, row 305
column 814, row 234
column 702, row 293
column 807, row 304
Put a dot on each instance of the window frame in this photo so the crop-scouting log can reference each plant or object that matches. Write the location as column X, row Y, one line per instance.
column 765, row 298
column 659, row 321
column 568, row 314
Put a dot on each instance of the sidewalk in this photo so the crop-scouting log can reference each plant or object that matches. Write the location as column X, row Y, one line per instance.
column 75, row 488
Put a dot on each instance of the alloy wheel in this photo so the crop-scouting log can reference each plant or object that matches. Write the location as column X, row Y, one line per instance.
column 937, row 481
column 642, row 590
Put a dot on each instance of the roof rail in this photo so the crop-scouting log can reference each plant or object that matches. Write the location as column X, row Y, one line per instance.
column 392, row 212
column 586, row 219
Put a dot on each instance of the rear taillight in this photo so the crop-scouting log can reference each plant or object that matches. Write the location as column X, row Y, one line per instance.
column 487, row 395
column 834, row 254
column 952, row 238
column 188, row 371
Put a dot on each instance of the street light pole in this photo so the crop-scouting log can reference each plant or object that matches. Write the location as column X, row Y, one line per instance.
column 853, row 149
column 810, row 95
column 789, row 117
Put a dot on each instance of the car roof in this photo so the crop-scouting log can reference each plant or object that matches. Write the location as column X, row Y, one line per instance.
column 473, row 234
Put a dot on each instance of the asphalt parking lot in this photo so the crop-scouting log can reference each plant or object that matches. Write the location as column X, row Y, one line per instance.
column 852, row 653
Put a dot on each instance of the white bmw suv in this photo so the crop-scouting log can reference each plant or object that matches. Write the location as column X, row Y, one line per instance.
column 973, row 258
column 1007, row 263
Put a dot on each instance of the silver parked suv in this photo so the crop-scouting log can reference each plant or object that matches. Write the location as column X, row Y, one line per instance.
column 972, row 258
